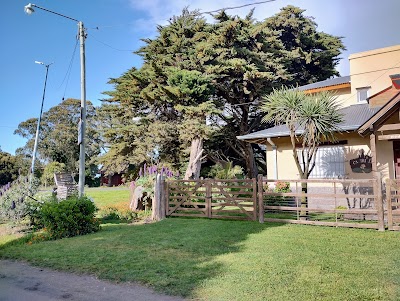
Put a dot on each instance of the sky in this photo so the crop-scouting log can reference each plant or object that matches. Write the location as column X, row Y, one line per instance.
column 115, row 29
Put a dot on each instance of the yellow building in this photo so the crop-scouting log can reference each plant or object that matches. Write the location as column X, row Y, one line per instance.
column 370, row 136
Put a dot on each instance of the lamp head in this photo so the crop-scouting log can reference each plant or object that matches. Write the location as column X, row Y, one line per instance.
column 37, row 62
column 29, row 9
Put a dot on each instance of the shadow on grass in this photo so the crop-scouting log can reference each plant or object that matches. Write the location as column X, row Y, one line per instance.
column 173, row 256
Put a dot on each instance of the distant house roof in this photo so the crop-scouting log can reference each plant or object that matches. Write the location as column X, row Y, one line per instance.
column 326, row 83
column 354, row 117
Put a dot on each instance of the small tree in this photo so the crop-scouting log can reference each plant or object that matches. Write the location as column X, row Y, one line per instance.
column 47, row 178
column 311, row 120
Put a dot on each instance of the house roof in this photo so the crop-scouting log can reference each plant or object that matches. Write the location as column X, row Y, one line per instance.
column 326, row 83
column 382, row 115
column 354, row 117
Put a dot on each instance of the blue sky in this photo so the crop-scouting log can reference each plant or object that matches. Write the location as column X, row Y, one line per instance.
column 115, row 28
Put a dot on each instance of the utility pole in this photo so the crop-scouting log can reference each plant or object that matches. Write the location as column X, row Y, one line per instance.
column 29, row 9
column 40, row 118
column 82, row 124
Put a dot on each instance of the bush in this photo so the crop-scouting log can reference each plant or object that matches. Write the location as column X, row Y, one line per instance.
column 15, row 198
column 74, row 216
column 113, row 213
column 276, row 200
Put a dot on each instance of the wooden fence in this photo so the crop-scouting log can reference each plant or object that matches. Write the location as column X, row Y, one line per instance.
column 228, row 199
column 393, row 204
column 340, row 203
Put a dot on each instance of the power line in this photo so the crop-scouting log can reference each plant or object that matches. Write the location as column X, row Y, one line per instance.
column 68, row 73
column 112, row 47
column 235, row 7
column 387, row 70
column 199, row 13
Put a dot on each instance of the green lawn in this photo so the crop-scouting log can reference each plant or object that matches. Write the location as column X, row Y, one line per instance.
column 232, row 260
column 105, row 197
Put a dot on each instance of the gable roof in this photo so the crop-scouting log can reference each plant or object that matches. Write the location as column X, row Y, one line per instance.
column 326, row 83
column 353, row 117
column 382, row 115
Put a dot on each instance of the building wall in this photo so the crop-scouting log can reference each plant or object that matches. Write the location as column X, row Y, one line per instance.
column 287, row 170
column 372, row 68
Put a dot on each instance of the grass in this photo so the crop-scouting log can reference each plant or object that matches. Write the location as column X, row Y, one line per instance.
column 231, row 260
column 106, row 197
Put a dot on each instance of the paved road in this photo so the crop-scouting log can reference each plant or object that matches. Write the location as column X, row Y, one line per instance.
column 20, row 281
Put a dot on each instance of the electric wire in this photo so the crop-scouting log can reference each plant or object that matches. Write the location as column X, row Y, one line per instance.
column 199, row 13
column 396, row 65
column 68, row 73
column 108, row 45
column 235, row 7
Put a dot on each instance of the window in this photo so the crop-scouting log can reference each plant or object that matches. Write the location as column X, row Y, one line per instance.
column 362, row 93
column 329, row 162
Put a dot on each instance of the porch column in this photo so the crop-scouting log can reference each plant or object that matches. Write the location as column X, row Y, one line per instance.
column 275, row 156
column 378, row 184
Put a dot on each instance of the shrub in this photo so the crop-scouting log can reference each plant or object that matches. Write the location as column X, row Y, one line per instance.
column 15, row 198
column 226, row 171
column 276, row 200
column 113, row 213
column 74, row 216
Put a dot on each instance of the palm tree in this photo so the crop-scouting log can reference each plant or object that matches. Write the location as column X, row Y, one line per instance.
column 311, row 120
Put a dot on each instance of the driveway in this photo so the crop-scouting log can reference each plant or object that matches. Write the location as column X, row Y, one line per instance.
column 20, row 281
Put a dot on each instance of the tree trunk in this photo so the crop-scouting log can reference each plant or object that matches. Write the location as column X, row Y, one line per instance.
column 304, row 202
column 251, row 166
column 194, row 166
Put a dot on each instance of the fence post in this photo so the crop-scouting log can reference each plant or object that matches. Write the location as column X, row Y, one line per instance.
column 254, row 183
column 208, row 197
column 389, row 204
column 158, row 206
column 379, row 201
column 260, row 199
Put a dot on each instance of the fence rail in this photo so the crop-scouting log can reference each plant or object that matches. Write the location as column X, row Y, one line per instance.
column 228, row 199
column 357, row 203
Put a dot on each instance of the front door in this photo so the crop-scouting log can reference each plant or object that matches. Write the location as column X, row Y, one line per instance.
column 396, row 153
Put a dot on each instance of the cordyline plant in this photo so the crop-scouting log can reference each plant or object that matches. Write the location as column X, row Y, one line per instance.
column 15, row 201
column 311, row 119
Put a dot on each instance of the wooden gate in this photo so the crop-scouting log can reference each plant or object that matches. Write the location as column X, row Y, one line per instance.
column 393, row 204
column 229, row 199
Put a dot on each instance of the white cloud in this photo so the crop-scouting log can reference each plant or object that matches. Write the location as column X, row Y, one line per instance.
column 158, row 12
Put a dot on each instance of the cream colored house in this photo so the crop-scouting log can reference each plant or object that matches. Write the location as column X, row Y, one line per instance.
column 370, row 136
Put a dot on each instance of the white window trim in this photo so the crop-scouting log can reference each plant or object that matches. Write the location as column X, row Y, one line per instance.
column 367, row 89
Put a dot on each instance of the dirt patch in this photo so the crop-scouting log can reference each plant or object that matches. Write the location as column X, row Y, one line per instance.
column 21, row 281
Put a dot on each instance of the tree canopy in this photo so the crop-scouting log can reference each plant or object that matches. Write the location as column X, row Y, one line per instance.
column 226, row 68
column 58, row 139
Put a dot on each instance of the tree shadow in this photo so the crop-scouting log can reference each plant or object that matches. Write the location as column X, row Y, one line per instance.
column 174, row 256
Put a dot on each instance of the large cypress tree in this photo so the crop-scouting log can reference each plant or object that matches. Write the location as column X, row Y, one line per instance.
column 233, row 63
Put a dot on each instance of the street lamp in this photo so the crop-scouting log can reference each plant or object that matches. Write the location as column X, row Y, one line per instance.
column 29, row 9
column 40, row 118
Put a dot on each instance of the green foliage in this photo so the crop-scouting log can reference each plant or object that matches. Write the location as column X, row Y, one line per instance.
column 47, row 178
column 8, row 168
column 277, row 200
column 114, row 213
column 195, row 71
column 313, row 117
column 226, row 171
column 74, row 216
column 15, row 201
column 58, row 140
